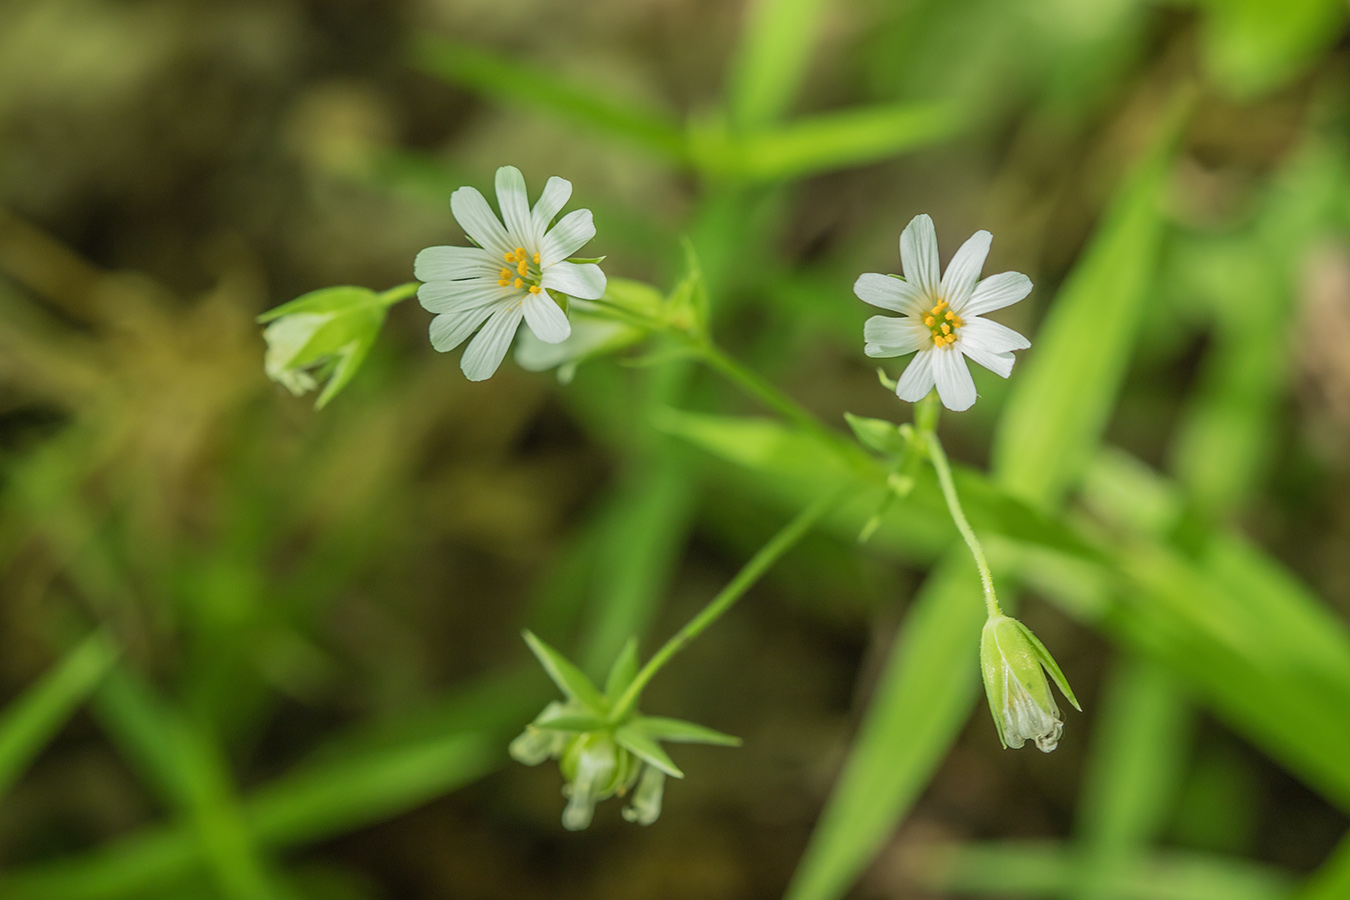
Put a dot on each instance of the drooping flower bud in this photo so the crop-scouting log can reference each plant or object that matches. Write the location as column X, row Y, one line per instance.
column 321, row 336
column 1014, row 664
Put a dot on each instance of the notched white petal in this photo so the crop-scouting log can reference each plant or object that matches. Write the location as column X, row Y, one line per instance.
column 918, row 378
column 890, row 293
column 572, row 232
column 888, row 336
column 474, row 215
column 919, row 254
column 991, row 336
column 584, row 281
column 486, row 351
column 955, row 387
column 455, row 264
column 555, row 196
column 546, row 319
column 996, row 292
column 964, row 270
column 451, row 329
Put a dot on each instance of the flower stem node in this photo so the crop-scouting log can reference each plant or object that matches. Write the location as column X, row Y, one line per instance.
column 604, row 747
column 1014, row 664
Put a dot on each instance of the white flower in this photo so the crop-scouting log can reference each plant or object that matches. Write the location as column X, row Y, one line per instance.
column 942, row 316
column 509, row 275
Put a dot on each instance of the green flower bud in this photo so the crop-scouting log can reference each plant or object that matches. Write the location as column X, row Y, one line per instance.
column 1014, row 664
column 596, row 768
column 323, row 335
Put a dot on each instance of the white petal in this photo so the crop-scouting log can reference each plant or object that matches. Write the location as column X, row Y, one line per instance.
column 988, row 335
column 567, row 237
column 995, row 292
column 546, row 319
column 449, row 330
column 887, row 336
column 954, row 384
column 1000, row 364
column 515, row 204
column 917, row 380
column 487, row 349
column 452, row 296
column 451, row 263
column 964, row 270
column 919, row 255
column 584, row 280
column 890, row 293
column 479, row 222
column 551, row 201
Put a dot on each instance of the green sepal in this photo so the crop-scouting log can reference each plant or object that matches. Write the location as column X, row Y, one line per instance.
column 1051, row 666
column 568, row 720
column 991, row 665
column 681, row 732
column 877, row 434
column 624, row 670
column 586, row 260
column 637, row 742
column 569, row 679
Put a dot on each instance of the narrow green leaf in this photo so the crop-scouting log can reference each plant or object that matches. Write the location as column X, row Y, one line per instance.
column 682, row 732
column 569, row 679
column 30, row 721
column 877, row 434
column 1063, row 397
column 624, row 670
column 922, row 699
column 647, row 750
column 1138, row 748
column 770, row 64
column 830, row 141
column 540, row 89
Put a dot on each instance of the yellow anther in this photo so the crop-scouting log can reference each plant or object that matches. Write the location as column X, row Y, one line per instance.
column 950, row 315
column 503, row 282
column 940, row 304
column 536, row 259
column 510, row 257
column 957, row 321
column 523, row 268
column 505, row 273
column 519, row 283
column 929, row 320
column 951, row 339
column 946, row 329
column 534, row 289
column 520, row 254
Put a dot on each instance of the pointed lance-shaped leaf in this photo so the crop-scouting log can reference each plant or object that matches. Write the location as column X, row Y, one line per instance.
column 682, row 732
column 645, row 748
column 569, row 679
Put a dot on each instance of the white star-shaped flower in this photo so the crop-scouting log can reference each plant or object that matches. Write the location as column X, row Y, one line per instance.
column 942, row 316
column 509, row 275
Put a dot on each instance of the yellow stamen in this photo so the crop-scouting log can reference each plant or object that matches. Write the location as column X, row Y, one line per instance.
column 536, row 259
column 951, row 339
column 534, row 289
column 950, row 315
column 929, row 321
column 523, row 269
column 946, row 329
column 505, row 273
column 520, row 254
column 519, row 283
column 940, row 304
column 503, row 282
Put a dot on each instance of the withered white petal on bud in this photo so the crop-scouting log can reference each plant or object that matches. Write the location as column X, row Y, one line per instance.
column 1014, row 665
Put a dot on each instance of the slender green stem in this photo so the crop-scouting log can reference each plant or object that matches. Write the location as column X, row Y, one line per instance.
column 398, row 294
column 751, row 572
column 944, row 474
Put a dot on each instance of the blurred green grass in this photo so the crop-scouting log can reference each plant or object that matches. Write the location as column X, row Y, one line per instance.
column 294, row 614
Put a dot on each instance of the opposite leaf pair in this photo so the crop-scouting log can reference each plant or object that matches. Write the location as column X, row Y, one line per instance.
column 604, row 747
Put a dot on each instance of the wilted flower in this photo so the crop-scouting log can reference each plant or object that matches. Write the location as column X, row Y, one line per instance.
column 599, row 755
column 942, row 316
column 1014, row 664
column 322, row 335
column 518, row 270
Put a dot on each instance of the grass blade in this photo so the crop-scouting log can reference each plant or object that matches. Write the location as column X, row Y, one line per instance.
column 33, row 719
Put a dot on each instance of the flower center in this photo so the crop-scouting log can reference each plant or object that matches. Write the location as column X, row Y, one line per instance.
column 521, row 271
column 943, row 323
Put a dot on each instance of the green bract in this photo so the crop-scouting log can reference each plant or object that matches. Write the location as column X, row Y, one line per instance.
column 600, row 754
column 321, row 336
column 1014, row 664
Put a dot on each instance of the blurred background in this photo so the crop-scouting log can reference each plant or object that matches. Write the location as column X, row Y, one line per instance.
column 307, row 660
